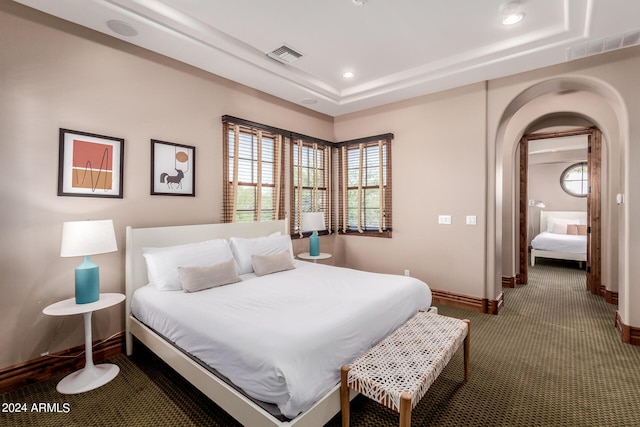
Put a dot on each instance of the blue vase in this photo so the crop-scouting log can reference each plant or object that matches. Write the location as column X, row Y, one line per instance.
column 87, row 282
column 314, row 244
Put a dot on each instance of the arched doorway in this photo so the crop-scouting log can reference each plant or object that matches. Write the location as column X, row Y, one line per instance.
column 584, row 97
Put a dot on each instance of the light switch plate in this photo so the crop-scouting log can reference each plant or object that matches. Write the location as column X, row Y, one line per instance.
column 444, row 219
column 472, row 220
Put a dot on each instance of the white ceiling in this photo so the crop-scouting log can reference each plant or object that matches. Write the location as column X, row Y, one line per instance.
column 398, row 49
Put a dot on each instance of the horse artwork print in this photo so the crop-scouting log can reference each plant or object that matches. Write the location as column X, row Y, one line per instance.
column 167, row 157
column 172, row 179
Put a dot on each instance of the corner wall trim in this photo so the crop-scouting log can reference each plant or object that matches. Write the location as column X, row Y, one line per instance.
column 494, row 306
column 628, row 334
column 508, row 282
column 46, row 367
column 610, row 296
column 481, row 305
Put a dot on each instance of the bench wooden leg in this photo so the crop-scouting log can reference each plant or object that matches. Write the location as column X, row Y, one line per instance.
column 405, row 409
column 467, row 349
column 344, row 395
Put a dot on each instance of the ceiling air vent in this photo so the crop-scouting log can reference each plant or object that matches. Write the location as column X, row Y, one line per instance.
column 285, row 54
column 613, row 42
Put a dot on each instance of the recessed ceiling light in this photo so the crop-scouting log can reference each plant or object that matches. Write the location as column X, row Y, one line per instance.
column 122, row 28
column 348, row 74
column 514, row 18
column 510, row 13
column 308, row 101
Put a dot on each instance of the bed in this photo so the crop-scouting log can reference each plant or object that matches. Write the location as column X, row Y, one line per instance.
column 299, row 325
column 562, row 236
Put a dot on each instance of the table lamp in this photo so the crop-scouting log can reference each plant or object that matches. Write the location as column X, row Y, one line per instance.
column 86, row 238
column 313, row 221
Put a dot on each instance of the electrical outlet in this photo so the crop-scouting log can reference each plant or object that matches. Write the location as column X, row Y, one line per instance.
column 407, row 272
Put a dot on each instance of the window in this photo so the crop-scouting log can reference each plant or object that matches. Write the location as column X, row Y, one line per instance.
column 575, row 180
column 311, row 181
column 365, row 186
column 257, row 183
column 253, row 173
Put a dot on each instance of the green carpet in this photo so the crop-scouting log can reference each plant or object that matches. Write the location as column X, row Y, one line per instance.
column 552, row 357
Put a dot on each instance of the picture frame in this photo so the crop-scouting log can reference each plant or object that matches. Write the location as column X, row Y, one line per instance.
column 90, row 165
column 173, row 169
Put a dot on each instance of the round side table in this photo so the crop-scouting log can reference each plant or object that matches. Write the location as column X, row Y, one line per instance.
column 91, row 376
column 314, row 258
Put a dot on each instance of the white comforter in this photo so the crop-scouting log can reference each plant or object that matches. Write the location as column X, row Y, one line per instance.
column 282, row 338
column 547, row 241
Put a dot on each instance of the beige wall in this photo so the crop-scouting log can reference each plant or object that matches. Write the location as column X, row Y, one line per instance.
column 452, row 154
column 58, row 75
column 439, row 168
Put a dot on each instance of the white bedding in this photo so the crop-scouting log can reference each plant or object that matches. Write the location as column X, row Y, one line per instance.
column 283, row 337
column 547, row 241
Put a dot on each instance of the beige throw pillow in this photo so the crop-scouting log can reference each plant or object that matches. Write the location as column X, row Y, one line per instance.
column 267, row 264
column 199, row 278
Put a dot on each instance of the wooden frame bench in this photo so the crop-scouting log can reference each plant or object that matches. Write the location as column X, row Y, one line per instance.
column 398, row 371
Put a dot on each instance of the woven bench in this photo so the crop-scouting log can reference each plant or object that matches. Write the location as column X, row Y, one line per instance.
column 398, row 371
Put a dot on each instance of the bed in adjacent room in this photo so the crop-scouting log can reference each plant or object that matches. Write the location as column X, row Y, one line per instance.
column 563, row 235
column 266, row 344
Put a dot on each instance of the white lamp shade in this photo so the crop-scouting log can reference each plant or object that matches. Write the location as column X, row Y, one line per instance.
column 82, row 238
column 313, row 221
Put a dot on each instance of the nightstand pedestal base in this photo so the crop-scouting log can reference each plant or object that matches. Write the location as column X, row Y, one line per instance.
column 88, row 378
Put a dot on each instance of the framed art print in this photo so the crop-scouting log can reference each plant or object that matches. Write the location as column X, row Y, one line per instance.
column 173, row 169
column 90, row 165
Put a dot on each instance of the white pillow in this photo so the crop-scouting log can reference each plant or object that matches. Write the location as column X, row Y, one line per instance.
column 243, row 249
column 559, row 228
column 267, row 264
column 199, row 278
column 163, row 263
column 551, row 221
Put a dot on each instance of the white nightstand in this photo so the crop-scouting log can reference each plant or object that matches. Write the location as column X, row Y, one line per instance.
column 306, row 256
column 91, row 376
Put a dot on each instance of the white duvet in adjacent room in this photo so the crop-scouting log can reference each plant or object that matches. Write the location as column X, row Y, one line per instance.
column 547, row 241
column 283, row 337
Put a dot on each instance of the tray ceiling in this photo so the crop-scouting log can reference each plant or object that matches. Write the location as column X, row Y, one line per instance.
column 397, row 49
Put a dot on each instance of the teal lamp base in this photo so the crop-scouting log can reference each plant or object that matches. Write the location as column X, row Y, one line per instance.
column 314, row 244
column 87, row 282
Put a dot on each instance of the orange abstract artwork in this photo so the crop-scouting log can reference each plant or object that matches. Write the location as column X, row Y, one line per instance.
column 92, row 165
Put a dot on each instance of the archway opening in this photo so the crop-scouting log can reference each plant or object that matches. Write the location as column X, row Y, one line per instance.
column 586, row 102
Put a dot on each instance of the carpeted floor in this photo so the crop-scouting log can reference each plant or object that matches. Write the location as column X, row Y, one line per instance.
column 550, row 358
